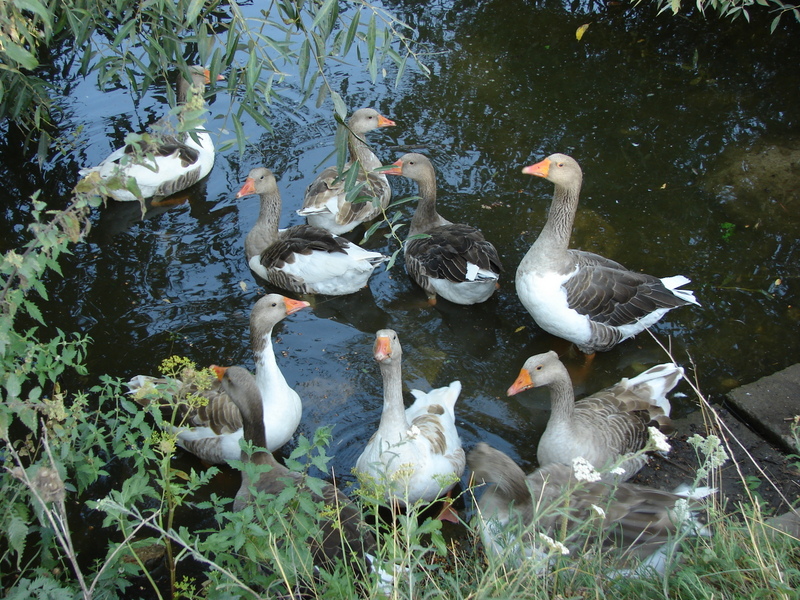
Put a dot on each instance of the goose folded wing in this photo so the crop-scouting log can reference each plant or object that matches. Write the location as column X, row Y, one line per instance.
column 615, row 298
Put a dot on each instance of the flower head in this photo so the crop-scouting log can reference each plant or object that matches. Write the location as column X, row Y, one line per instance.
column 554, row 545
column 584, row 470
column 658, row 440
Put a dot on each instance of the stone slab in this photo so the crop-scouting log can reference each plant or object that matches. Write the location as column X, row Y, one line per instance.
column 769, row 405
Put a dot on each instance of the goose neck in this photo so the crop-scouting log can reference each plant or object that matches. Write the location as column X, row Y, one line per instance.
column 360, row 150
column 562, row 399
column 558, row 227
column 425, row 216
column 394, row 412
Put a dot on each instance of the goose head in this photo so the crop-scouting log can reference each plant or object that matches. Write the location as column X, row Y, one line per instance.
column 387, row 349
column 259, row 181
column 560, row 169
column 416, row 167
column 539, row 370
column 367, row 119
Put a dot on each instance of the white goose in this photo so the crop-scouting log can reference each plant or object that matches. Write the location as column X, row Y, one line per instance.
column 161, row 165
column 416, row 451
column 325, row 204
column 579, row 296
column 343, row 537
column 606, row 426
column 303, row 259
column 212, row 432
column 452, row 260
column 632, row 521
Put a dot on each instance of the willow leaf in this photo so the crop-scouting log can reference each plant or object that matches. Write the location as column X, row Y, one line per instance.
column 351, row 33
column 195, row 6
column 323, row 12
column 338, row 104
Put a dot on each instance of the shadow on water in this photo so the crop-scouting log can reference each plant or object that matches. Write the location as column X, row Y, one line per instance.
column 661, row 113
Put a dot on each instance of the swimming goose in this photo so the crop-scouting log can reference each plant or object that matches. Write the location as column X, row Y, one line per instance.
column 579, row 296
column 631, row 520
column 212, row 432
column 416, row 451
column 605, row 426
column 344, row 536
column 161, row 164
column 325, row 204
column 452, row 260
column 303, row 259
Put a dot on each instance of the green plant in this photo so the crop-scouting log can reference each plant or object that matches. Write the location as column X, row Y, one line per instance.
column 135, row 45
column 733, row 8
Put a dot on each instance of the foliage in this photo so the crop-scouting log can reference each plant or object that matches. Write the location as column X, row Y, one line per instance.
column 135, row 44
column 734, row 8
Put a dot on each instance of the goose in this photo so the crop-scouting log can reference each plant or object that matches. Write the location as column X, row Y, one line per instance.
column 579, row 296
column 326, row 205
column 160, row 165
column 451, row 260
column 416, row 451
column 212, row 432
column 606, row 426
column 633, row 521
column 303, row 259
column 344, row 536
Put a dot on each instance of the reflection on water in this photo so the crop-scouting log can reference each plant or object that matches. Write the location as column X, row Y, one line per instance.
column 649, row 106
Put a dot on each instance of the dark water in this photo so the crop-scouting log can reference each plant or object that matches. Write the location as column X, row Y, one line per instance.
column 662, row 113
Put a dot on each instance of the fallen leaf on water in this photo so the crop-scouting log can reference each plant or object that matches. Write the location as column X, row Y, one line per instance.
column 581, row 30
column 243, row 285
column 518, row 329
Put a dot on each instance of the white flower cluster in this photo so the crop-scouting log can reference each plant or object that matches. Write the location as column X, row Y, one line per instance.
column 599, row 510
column 658, row 440
column 554, row 545
column 584, row 470
column 711, row 448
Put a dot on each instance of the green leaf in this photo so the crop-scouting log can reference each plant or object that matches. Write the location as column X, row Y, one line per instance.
column 351, row 33
column 34, row 311
column 338, row 104
column 124, row 32
column 17, row 532
column 303, row 61
column 20, row 55
column 323, row 12
column 195, row 6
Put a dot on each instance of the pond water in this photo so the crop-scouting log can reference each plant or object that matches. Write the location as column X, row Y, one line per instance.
column 687, row 133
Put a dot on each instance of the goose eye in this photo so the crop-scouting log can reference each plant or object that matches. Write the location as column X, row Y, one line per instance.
column 538, row 367
column 274, row 304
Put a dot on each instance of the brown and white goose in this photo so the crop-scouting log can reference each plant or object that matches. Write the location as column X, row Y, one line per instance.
column 325, row 204
column 344, row 536
column 303, row 259
column 212, row 432
column 516, row 512
column 579, row 296
column 416, row 451
column 606, row 426
column 161, row 165
column 452, row 260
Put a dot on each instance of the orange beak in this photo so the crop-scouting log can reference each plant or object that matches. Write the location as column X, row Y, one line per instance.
column 397, row 168
column 207, row 73
column 292, row 306
column 522, row 383
column 219, row 371
column 540, row 169
column 382, row 349
column 248, row 188
column 384, row 122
